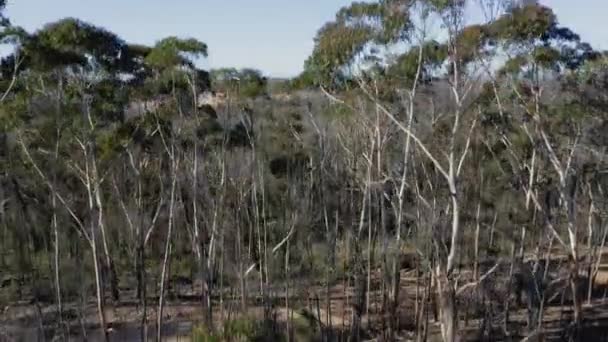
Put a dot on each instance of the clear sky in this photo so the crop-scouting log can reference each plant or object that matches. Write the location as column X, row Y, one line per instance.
column 274, row 36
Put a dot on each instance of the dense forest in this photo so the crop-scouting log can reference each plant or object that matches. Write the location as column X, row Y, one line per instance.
column 424, row 178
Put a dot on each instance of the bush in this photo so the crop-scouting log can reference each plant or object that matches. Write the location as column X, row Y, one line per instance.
column 242, row 329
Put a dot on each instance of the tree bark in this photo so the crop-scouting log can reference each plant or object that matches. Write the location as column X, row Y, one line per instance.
column 161, row 302
column 447, row 302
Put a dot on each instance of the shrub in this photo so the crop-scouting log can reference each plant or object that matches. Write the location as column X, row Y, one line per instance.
column 241, row 329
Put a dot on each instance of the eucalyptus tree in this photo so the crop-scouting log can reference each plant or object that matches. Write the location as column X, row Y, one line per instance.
column 247, row 83
column 357, row 30
column 534, row 45
column 172, row 61
column 55, row 65
column 388, row 22
column 540, row 52
column 79, row 73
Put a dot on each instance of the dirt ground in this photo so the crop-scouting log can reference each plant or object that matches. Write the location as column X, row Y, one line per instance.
column 21, row 321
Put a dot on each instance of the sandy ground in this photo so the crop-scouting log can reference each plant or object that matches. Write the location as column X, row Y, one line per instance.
column 20, row 322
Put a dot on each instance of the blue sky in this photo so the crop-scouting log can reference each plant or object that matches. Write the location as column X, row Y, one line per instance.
column 274, row 36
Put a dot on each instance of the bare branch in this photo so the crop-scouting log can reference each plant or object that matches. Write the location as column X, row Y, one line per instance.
column 418, row 142
column 291, row 231
column 18, row 62
column 466, row 148
column 481, row 279
column 45, row 179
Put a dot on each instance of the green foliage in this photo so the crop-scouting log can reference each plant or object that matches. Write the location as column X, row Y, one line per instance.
column 336, row 46
column 13, row 35
column 252, row 83
column 240, row 329
column 305, row 80
column 12, row 114
column 245, row 329
column 533, row 33
column 202, row 334
column 545, row 57
column 594, row 72
column 110, row 144
column 470, row 42
column 514, row 65
column 447, row 6
column 524, row 24
column 132, row 62
column 72, row 41
column 3, row 19
column 173, row 52
column 402, row 72
column 248, row 83
column 360, row 11
column 357, row 27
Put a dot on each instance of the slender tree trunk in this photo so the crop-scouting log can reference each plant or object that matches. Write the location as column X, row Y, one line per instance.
column 576, row 300
column 590, row 249
column 508, row 290
column 57, row 264
column 90, row 233
column 359, row 294
column 82, row 299
column 99, row 290
column 447, row 302
column 211, row 252
column 141, row 276
column 369, row 258
column 476, row 248
column 56, row 252
column 96, row 218
column 94, row 185
column 221, row 274
column 198, row 246
column 491, row 242
column 360, row 288
column 287, row 276
column 241, row 268
column 161, row 302
column 600, row 255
